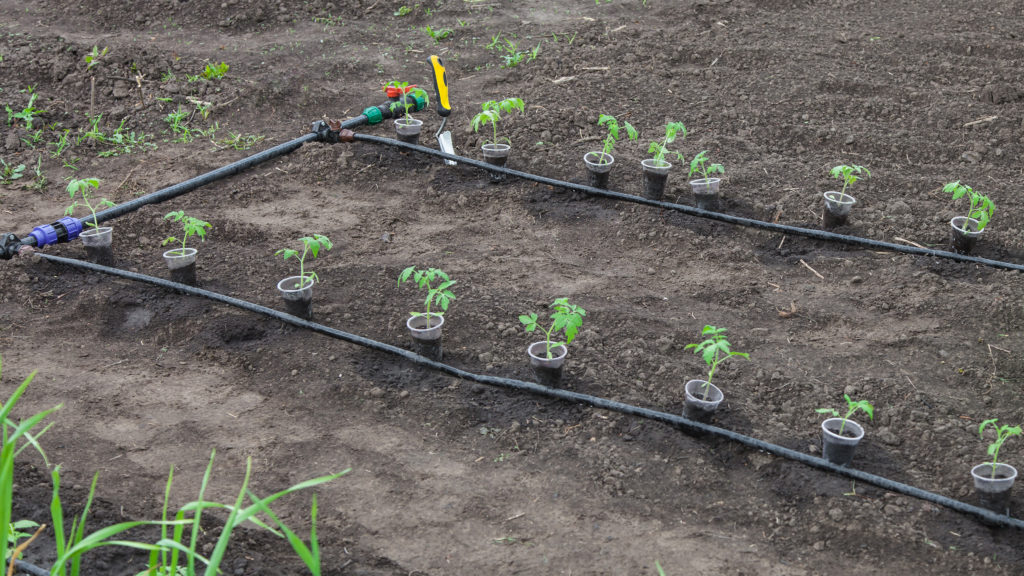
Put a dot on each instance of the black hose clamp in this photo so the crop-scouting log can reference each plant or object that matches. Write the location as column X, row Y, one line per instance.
column 327, row 131
column 9, row 246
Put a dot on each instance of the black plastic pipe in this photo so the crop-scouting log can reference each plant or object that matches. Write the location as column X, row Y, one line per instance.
column 694, row 211
column 321, row 131
column 31, row 569
column 560, row 394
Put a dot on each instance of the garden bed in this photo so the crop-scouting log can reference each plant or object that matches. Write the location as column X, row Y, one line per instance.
column 450, row 477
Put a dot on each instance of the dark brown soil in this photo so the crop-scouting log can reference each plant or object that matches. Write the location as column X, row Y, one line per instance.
column 454, row 478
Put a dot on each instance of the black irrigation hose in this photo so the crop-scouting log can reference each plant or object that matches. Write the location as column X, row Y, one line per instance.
column 694, row 211
column 560, row 394
column 22, row 566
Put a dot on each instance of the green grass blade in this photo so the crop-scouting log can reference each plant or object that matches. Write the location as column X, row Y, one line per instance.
column 225, row 535
column 57, row 519
column 195, row 520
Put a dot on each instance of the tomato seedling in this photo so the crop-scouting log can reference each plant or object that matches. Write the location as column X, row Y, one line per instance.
column 699, row 166
column 862, row 405
column 849, row 175
column 439, row 295
column 492, row 114
column 84, row 188
column 613, row 134
column 1003, row 433
column 567, row 318
column 311, row 246
column 660, row 149
column 982, row 208
column 715, row 350
column 190, row 227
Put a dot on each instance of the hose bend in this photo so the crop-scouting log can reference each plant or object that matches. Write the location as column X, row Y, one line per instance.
column 698, row 212
column 560, row 394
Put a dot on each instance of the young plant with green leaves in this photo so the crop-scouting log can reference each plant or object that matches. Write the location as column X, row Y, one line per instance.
column 9, row 172
column 714, row 350
column 1003, row 433
column 214, row 71
column 492, row 110
column 852, row 407
column 407, row 98
column 93, row 58
column 437, row 34
column 439, row 294
column 613, row 127
column 849, row 175
column 190, row 227
column 659, row 149
column 566, row 318
column 311, row 246
column 17, row 435
column 982, row 208
column 699, row 165
column 84, row 190
column 26, row 115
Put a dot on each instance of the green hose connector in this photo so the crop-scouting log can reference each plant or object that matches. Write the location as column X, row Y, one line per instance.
column 373, row 115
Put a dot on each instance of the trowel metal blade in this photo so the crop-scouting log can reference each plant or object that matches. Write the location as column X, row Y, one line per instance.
column 444, row 140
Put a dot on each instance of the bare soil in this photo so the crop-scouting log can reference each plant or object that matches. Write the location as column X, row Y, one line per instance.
column 453, row 478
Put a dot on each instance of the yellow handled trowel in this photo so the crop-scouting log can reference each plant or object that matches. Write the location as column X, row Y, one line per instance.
column 444, row 107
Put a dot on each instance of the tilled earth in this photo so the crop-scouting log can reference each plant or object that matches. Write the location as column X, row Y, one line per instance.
column 450, row 477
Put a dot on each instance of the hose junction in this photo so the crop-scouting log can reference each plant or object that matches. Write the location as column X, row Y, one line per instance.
column 68, row 228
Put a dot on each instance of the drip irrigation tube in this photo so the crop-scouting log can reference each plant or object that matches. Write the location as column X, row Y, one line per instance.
column 69, row 228
column 694, row 211
column 31, row 569
column 560, row 394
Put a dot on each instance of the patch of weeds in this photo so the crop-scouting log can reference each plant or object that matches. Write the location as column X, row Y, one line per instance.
column 403, row 10
column 215, row 71
column 62, row 143
column 329, row 20
column 39, row 181
column 71, row 163
column 27, row 114
column 514, row 56
column 168, row 77
column 239, row 141
column 177, row 121
column 438, row 34
column 120, row 141
column 9, row 173
column 33, row 139
column 94, row 57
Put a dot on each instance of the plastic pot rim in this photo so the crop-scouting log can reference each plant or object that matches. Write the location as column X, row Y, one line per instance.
column 842, row 439
column 598, row 166
column 93, row 231
column 696, row 395
column 302, row 286
column 432, row 333
column 650, row 166
column 839, row 198
column 959, row 229
column 986, row 476
column 496, row 148
column 544, row 358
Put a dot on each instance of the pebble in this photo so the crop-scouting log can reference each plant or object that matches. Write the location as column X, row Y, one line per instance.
column 819, row 545
column 836, row 514
column 376, row 392
column 403, row 394
column 294, row 372
column 971, row 156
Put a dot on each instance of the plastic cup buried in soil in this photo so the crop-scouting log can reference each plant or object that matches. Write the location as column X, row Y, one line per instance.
column 182, row 264
column 705, row 192
column 994, row 492
column 655, row 176
column 548, row 370
column 425, row 330
column 599, row 166
column 838, row 448
column 97, row 242
column 963, row 241
column 837, row 208
column 297, row 292
column 496, row 154
column 408, row 129
column 698, row 407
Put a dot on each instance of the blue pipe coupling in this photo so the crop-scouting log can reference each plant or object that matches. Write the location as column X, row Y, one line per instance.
column 63, row 230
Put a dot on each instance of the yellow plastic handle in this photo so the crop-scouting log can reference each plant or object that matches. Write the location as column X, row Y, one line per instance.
column 444, row 106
